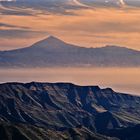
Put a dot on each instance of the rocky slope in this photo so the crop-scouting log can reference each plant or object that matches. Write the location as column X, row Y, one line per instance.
column 29, row 132
column 65, row 107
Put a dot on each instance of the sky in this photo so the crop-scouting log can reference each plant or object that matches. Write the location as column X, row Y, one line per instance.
column 88, row 23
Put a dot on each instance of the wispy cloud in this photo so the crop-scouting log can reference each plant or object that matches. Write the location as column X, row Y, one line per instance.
column 19, row 33
column 4, row 25
column 101, row 25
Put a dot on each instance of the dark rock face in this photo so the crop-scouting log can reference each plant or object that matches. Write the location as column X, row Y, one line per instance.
column 129, row 133
column 29, row 132
column 65, row 106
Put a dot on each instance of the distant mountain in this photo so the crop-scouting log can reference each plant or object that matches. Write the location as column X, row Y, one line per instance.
column 54, row 52
column 66, row 111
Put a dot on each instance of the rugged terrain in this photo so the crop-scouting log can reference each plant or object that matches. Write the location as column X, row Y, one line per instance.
column 67, row 111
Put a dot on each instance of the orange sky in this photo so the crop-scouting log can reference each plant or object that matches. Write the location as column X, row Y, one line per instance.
column 86, row 27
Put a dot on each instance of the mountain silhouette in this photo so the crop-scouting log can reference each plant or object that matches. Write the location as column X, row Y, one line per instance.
column 55, row 52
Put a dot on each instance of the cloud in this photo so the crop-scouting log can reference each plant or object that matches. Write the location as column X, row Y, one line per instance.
column 7, row 0
column 92, row 27
column 15, row 31
column 4, row 25
column 19, row 33
column 102, row 21
column 22, row 8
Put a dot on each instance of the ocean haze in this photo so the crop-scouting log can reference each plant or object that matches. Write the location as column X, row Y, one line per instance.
column 63, row 61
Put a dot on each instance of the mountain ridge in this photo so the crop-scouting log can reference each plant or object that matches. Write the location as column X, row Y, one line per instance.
column 53, row 38
column 52, row 51
column 67, row 108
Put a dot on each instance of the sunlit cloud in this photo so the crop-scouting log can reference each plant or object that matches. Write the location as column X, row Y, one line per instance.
column 122, row 2
column 90, row 27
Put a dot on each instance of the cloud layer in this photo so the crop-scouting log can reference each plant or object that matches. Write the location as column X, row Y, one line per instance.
column 86, row 26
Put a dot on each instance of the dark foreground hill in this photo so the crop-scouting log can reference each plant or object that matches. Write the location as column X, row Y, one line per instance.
column 66, row 111
column 30, row 132
column 54, row 52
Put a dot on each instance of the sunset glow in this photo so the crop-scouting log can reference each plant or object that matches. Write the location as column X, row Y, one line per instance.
column 89, row 27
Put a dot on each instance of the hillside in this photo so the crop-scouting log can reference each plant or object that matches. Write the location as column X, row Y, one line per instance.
column 65, row 107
